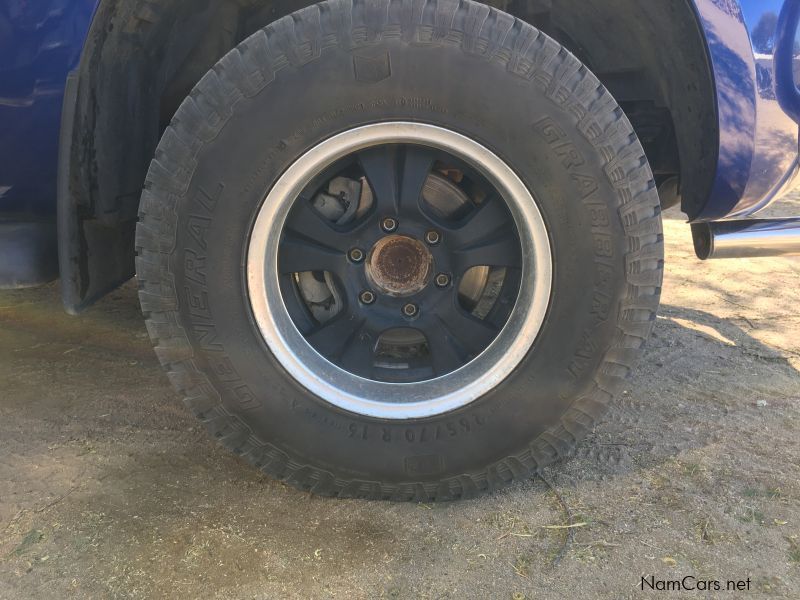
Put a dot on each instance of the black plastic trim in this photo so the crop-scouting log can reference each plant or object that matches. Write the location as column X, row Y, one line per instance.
column 67, row 215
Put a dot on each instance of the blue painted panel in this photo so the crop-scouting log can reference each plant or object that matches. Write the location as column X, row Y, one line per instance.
column 787, row 59
column 758, row 140
column 40, row 43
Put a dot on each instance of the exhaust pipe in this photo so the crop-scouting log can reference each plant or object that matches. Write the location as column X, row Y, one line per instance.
column 747, row 238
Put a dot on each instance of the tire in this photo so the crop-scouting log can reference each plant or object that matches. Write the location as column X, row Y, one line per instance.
column 466, row 69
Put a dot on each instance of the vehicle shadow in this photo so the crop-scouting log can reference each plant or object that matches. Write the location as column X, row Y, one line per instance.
column 702, row 377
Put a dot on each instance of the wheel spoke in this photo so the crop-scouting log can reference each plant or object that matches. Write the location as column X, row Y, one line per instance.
column 490, row 217
column 332, row 338
column 381, row 169
column 417, row 164
column 454, row 336
column 446, row 352
column 298, row 255
column 309, row 224
column 499, row 251
column 359, row 353
column 396, row 177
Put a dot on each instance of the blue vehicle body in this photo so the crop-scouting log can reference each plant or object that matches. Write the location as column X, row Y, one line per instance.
column 758, row 138
column 42, row 42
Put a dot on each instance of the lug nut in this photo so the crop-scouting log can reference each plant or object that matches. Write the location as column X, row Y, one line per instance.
column 389, row 225
column 367, row 297
column 433, row 237
column 356, row 255
column 410, row 310
column 442, row 280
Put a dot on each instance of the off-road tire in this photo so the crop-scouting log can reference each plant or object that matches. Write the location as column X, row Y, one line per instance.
column 344, row 63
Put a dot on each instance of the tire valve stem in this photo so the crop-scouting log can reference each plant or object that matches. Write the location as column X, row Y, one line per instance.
column 367, row 297
column 442, row 280
column 410, row 310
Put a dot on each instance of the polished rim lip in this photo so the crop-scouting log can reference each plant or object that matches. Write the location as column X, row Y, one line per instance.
column 398, row 400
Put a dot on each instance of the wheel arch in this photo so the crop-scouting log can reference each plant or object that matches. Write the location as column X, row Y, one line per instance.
column 142, row 58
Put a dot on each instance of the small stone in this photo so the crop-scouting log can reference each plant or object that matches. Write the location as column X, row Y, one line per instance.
column 761, row 403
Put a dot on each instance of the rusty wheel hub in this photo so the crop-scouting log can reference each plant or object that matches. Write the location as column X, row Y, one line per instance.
column 399, row 266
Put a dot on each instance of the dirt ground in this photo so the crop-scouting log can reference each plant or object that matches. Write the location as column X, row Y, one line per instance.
column 109, row 489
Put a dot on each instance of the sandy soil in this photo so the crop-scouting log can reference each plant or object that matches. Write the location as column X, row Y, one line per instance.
column 109, row 489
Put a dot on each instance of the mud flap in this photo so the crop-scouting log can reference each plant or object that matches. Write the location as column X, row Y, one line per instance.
column 94, row 257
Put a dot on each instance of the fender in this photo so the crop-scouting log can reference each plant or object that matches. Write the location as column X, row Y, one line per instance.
column 758, row 144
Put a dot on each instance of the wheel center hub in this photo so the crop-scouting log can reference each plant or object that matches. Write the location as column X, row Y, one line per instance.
column 399, row 265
